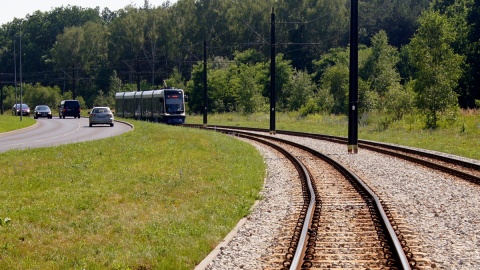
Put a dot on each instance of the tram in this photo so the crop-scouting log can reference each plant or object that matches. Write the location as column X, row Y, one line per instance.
column 163, row 105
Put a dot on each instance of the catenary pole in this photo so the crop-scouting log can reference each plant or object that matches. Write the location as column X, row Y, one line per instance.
column 15, row 68
column 21, row 83
column 205, row 95
column 273, row 96
column 353, row 93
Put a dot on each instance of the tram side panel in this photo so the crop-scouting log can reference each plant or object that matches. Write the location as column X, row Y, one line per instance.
column 146, row 105
column 120, row 104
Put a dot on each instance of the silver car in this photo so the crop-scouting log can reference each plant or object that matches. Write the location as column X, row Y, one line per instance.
column 42, row 111
column 100, row 116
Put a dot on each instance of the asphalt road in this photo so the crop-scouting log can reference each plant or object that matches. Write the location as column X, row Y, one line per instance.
column 56, row 131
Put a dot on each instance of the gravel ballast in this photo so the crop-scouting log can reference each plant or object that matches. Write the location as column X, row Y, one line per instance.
column 443, row 210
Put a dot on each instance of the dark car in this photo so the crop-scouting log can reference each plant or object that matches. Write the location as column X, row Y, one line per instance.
column 69, row 108
column 42, row 111
column 22, row 109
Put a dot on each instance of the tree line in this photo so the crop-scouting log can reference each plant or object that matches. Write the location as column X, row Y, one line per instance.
column 414, row 54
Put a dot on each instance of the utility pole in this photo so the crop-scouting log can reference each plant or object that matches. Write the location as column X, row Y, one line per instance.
column 1, row 96
column 273, row 96
column 138, row 75
column 353, row 93
column 205, row 95
column 15, row 68
column 73, row 81
column 21, row 84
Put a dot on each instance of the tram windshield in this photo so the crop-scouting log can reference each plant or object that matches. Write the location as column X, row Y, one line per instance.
column 174, row 103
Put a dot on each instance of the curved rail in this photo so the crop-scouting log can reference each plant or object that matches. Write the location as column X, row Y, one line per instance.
column 398, row 256
column 393, row 150
column 294, row 260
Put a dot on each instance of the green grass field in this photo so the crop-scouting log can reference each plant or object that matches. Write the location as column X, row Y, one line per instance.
column 159, row 197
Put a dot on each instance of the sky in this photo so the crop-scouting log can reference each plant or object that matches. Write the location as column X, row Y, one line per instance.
column 20, row 8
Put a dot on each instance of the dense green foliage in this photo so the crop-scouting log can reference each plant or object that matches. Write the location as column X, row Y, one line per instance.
column 92, row 54
column 437, row 67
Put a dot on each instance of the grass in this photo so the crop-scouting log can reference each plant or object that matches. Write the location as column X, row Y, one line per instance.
column 459, row 136
column 159, row 197
column 9, row 122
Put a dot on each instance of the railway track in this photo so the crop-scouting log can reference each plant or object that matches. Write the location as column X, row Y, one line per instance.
column 342, row 223
column 459, row 168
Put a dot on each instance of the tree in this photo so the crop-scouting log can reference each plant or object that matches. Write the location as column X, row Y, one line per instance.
column 312, row 27
column 397, row 17
column 323, row 101
column 249, row 90
column 39, row 31
column 127, row 40
column 335, row 79
column 195, row 90
column 108, row 98
column 379, row 68
column 67, row 52
column 84, row 49
column 222, row 89
column 95, row 60
column 246, row 21
column 332, row 57
column 38, row 94
column 299, row 90
column 104, row 100
column 232, row 85
column 473, row 78
column 463, row 15
column 368, row 99
column 175, row 80
column 399, row 101
column 438, row 68
column 283, row 74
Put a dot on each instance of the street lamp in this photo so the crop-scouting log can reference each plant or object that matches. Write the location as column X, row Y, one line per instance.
column 21, row 83
column 15, row 67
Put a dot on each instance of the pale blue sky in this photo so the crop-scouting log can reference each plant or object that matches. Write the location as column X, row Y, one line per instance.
column 20, row 8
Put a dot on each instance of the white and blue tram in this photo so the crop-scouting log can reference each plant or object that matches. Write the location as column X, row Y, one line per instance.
column 164, row 105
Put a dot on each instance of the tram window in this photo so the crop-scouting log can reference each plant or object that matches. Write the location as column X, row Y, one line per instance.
column 162, row 105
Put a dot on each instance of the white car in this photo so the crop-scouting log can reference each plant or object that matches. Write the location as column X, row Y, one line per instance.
column 100, row 116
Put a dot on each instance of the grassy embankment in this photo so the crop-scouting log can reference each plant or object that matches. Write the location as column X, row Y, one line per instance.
column 159, row 197
column 9, row 123
column 461, row 137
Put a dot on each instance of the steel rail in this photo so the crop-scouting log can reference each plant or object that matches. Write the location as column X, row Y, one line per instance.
column 399, row 254
column 297, row 260
column 388, row 150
